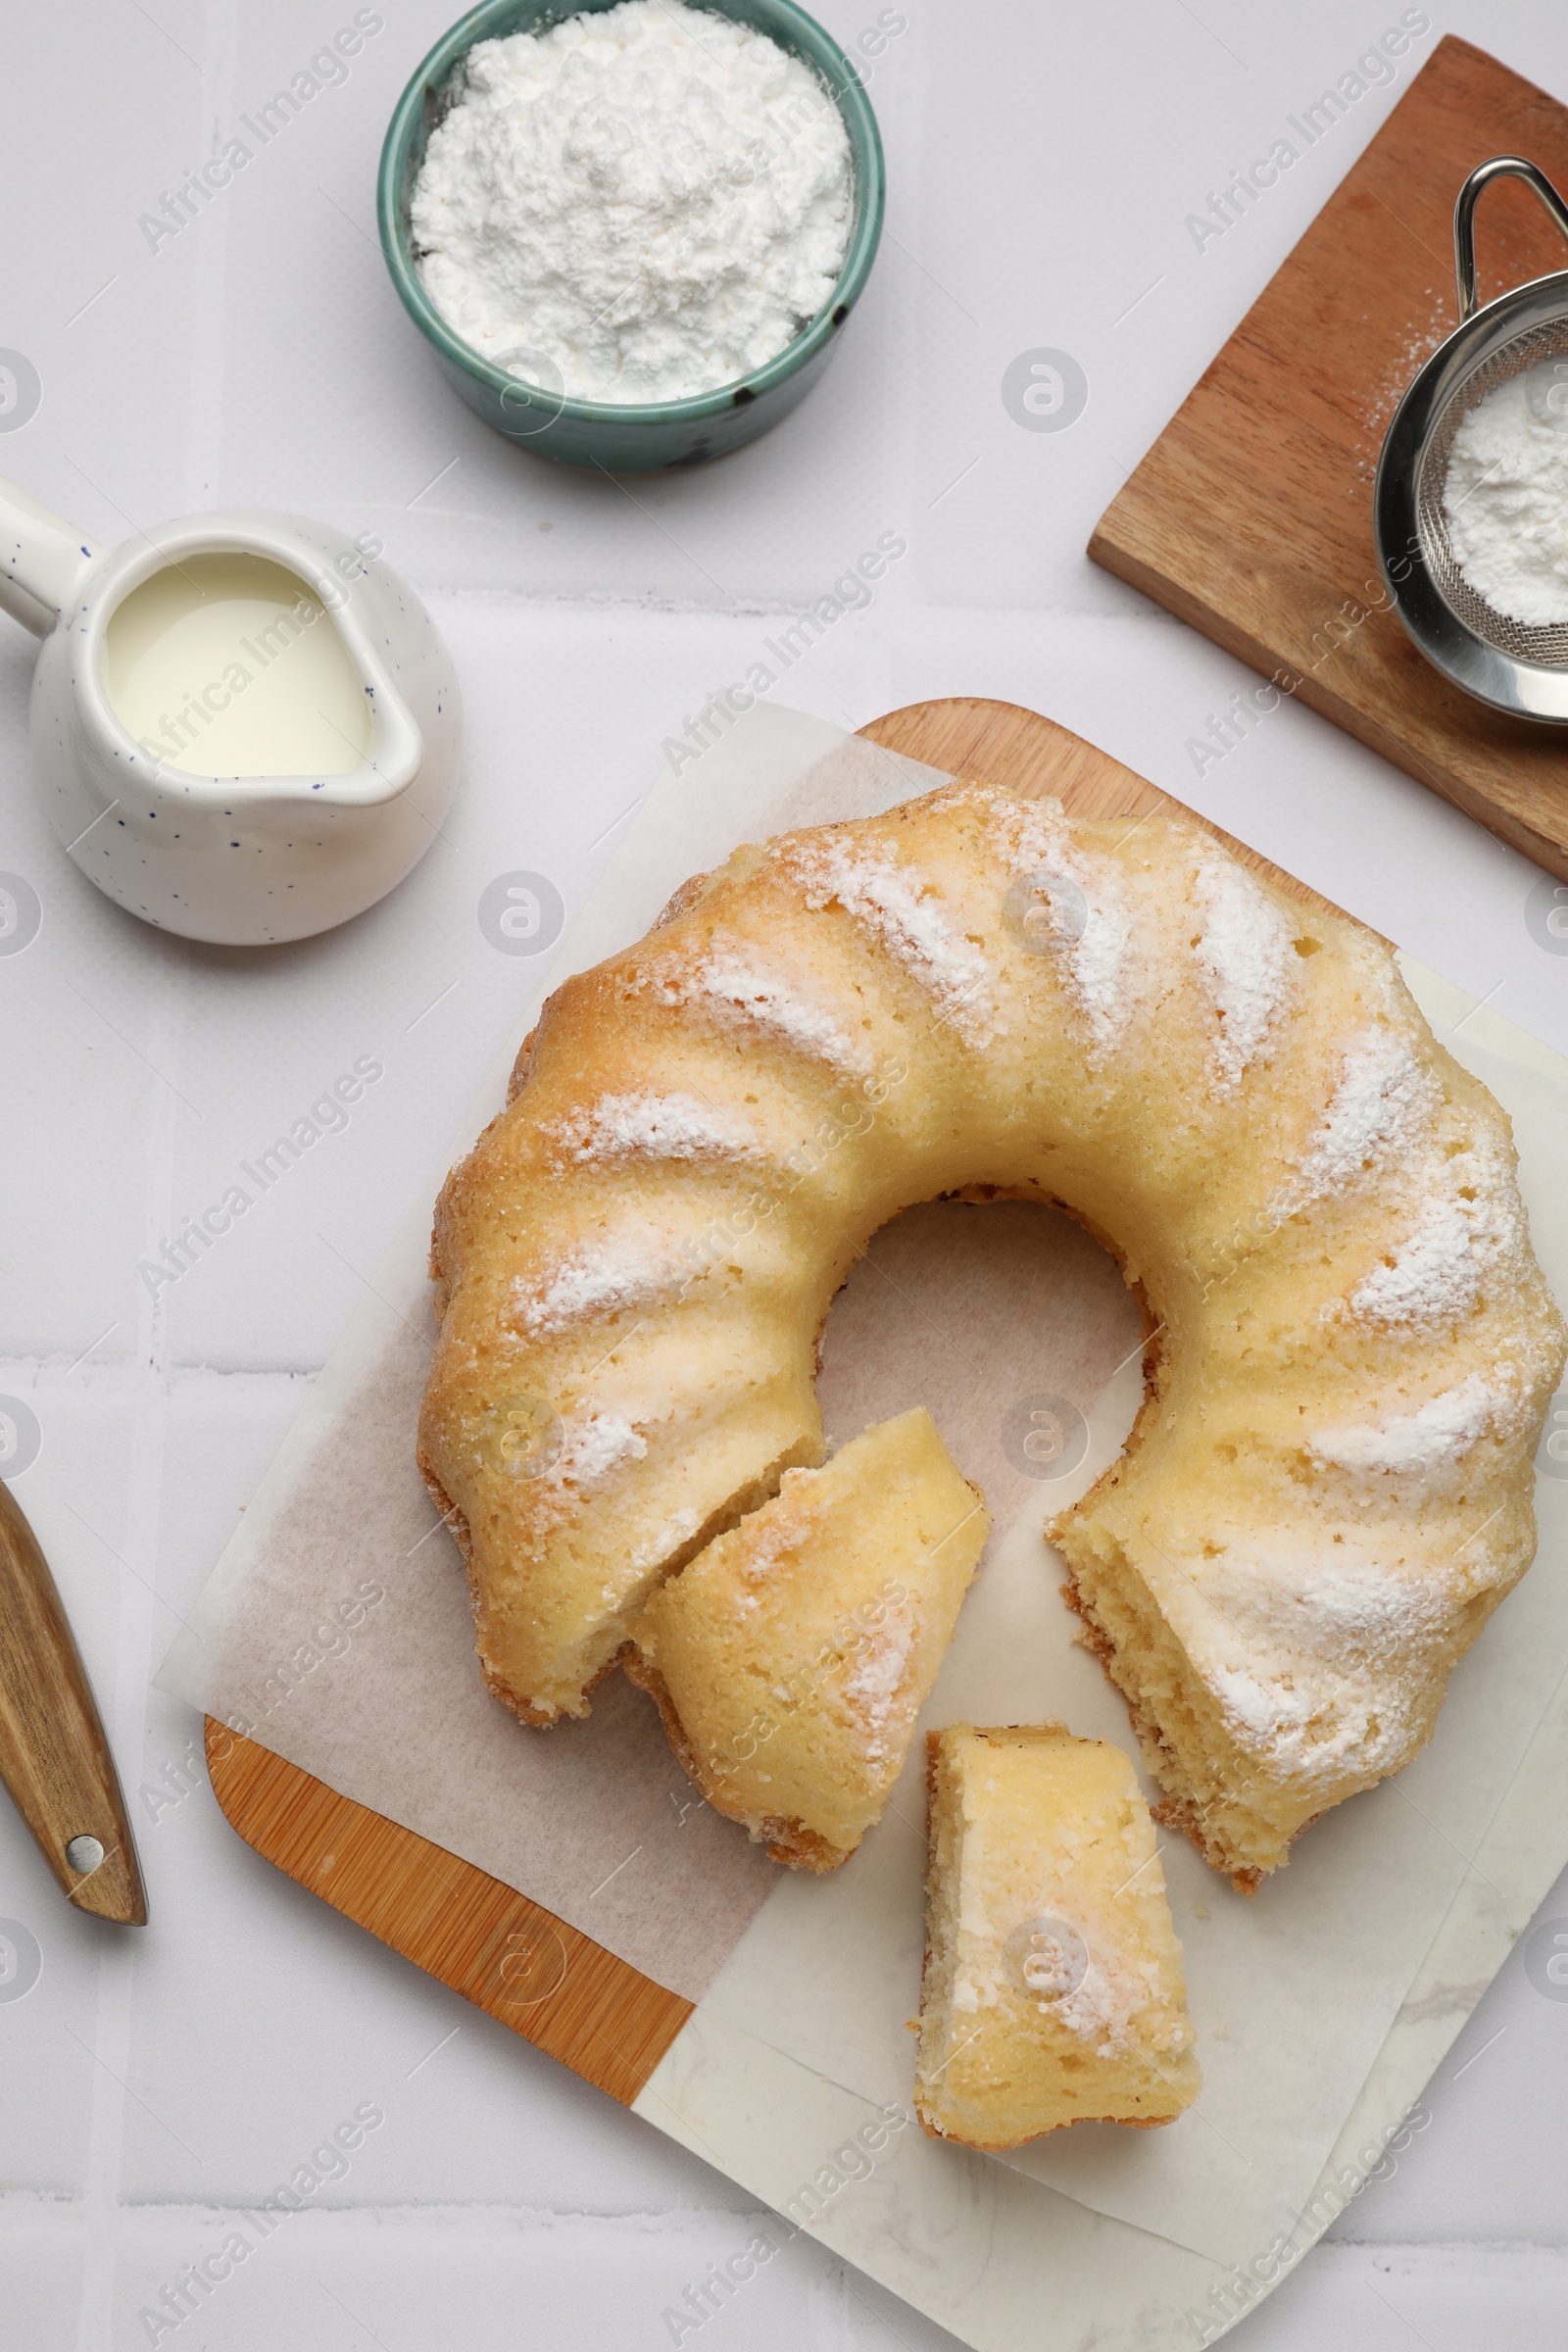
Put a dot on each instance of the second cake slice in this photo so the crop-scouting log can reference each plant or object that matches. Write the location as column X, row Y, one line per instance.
column 1052, row 1990
column 790, row 1659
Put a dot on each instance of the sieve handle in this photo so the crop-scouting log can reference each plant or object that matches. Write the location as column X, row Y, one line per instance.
column 1501, row 166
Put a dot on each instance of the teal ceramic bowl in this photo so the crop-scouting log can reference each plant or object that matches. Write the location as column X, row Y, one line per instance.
column 585, row 432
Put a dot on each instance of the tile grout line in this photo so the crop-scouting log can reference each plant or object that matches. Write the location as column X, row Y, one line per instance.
column 126, row 1713
column 24, row 2226
column 111, row 2024
column 138, row 1628
column 136, row 1631
column 210, row 278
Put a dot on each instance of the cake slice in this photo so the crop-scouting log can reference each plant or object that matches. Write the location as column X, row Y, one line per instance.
column 791, row 1657
column 1052, row 1990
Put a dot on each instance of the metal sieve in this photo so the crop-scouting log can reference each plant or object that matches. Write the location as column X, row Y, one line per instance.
column 1514, row 666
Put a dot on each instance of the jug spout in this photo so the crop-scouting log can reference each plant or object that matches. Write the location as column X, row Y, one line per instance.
column 42, row 560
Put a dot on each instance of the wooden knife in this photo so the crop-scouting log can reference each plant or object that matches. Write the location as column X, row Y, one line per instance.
column 54, row 1758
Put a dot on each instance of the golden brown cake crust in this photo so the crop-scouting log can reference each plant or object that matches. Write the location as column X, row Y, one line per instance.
column 1350, row 1352
column 787, row 1842
column 1007, row 2147
column 495, row 1683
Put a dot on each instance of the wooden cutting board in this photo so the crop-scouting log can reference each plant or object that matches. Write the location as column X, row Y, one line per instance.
column 543, row 1978
column 1252, row 515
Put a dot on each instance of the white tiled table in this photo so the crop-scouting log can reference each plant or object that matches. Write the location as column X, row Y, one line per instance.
column 1041, row 165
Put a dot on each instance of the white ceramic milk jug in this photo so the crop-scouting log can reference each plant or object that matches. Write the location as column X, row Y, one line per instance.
column 245, row 725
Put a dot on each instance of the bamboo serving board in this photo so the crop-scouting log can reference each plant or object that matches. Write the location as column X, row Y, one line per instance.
column 1252, row 515
column 543, row 1978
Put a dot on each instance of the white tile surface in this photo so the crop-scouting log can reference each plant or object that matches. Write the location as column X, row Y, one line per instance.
column 1042, row 163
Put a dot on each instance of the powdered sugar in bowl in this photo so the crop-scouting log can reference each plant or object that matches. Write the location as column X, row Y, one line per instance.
column 632, row 235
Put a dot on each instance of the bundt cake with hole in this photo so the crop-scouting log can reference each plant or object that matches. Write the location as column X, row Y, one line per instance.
column 1351, row 1346
column 790, row 1659
column 1052, row 1989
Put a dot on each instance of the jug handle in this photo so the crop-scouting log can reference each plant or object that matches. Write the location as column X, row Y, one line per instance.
column 41, row 560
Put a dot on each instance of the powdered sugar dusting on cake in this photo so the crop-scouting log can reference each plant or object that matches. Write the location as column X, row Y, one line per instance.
column 773, row 1540
column 599, row 1278
column 1382, row 1094
column 1473, row 1231
column 769, row 1545
column 1244, row 952
column 1098, row 965
column 650, row 1126
column 1089, row 940
column 593, row 1444
column 745, row 988
column 901, row 907
column 1307, row 1727
column 1320, row 1651
column 1432, row 1277
column 1101, row 2007
column 1421, row 1444
column 877, row 1686
column 1334, row 1609
column 668, row 1537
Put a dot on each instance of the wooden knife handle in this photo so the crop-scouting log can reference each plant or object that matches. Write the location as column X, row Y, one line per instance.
column 54, row 1758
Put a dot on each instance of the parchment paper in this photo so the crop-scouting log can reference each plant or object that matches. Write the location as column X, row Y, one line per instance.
column 968, row 1310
